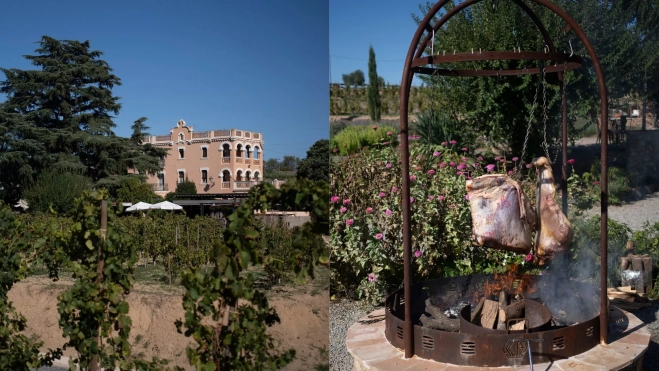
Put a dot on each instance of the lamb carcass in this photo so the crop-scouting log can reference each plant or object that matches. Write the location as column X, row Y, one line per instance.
column 555, row 230
column 502, row 217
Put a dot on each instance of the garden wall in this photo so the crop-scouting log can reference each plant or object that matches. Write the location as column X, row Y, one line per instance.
column 643, row 156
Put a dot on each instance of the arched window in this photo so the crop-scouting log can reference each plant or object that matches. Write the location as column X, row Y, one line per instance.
column 257, row 175
column 239, row 150
column 248, row 175
column 226, row 150
column 239, row 176
column 226, row 176
column 256, row 153
column 181, row 137
column 247, row 151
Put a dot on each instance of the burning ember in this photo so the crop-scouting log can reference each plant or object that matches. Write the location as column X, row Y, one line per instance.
column 511, row 282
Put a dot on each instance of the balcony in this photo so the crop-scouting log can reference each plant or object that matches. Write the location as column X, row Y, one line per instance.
column 226, row 160
column 242, row 184
column 159, row 187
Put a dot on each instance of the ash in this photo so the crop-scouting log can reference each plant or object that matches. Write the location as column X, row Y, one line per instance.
column 454, row 311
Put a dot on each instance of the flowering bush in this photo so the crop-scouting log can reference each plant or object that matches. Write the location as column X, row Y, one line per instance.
column 366, row 218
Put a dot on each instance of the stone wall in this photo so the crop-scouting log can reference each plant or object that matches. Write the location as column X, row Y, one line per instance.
column 643, row 156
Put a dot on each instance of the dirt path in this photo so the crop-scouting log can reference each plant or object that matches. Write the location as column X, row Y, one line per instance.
column 153, row 309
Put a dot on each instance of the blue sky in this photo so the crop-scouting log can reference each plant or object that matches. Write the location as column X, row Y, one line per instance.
column 386, row 25
column 253, row 65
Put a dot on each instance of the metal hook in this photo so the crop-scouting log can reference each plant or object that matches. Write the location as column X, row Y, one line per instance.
column 432, row 46
column 444, row 52
column 472, row 50
column 546, row 48
column 480, row 51
column 571, row 51
column 453, row 51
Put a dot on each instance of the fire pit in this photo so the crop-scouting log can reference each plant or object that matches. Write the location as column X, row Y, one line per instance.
column 550, row 325
column 475, row 321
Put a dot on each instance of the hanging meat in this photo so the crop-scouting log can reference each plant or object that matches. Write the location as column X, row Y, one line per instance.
column 502, row 217
column 555, row 231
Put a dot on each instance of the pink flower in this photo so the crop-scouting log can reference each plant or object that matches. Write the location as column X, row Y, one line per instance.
column 417, row 168
column 570, row 161
column 503, row 160
column 528, row 166
column 440, row 198
column 394, row 189
column 490, row 167
column 497, row 158
column 335, row 199
column 510, row 172
column 412, row 177
column 465, row 149
column 480, row 158
column 453, row 142
column 467, row 197
column 387, row 166
column 374, row 127
column 436, row 154
column 382, row 194
column 389, row 133
column 442, row 164
column 452, row 206
column 515, row 159
column 464, row 159
column 350, row 222
column 444, row 143
column 529, row 257
column 452, row 164
column 431, row 198
column 343, row 210
column 335, row 150
column 411, row 200
column 369, row 210
column 461, row 166
column 378, row 236
column 372, row 277
column 417, row 253
column 431, row 172
column 346, row 201
column 388, row 212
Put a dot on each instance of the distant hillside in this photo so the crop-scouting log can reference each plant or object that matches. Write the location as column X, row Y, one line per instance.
column 353, row 101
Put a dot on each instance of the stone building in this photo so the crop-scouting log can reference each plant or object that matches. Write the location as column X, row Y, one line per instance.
column 217, row 161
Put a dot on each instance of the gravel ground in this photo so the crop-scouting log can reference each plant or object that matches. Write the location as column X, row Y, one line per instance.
column 342, row 315
column 634, row 214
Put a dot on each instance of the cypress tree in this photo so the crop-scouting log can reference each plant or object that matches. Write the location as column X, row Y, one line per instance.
column 374, row 104
column 60, row 116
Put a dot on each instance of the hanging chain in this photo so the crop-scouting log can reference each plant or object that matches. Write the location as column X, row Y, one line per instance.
column 528, row 128
column 545, row 145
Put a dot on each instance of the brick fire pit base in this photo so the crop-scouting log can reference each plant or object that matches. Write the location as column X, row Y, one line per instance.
column 628, row 340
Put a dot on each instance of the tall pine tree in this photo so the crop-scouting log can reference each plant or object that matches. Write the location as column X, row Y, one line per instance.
column 374, row 104
column 60, row 116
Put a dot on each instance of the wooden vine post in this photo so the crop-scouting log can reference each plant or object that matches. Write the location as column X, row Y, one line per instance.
column 95, row 366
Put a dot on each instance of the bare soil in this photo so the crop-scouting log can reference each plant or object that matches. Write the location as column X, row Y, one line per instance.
column 303, row 310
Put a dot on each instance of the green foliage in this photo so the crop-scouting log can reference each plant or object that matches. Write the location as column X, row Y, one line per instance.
column 353, row 138
column 584, row 190
column 366, row 224
column 336, row 127
column 374, row 103
column 286, row 168
column 237, row 338
column 435, row 127
column 59, row 116
column 94, row 312
column 316, row 165
column 134, row 189
column 186, row 187
column 354, row 78
column 18, row 249
column 56, row 189
column 646, row 241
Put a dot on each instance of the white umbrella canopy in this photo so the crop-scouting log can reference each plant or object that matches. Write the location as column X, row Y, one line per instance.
column 166, row 205
column 139, row 206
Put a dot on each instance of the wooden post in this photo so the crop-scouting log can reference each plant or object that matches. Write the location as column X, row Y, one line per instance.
column 95, row 366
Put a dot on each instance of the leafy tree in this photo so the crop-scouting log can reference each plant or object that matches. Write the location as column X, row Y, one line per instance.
column 354, row 78
column 186, row 187
column 57, row 189
column 374, row 104
column 60, row 116
column 134, row 189
column 316, row 165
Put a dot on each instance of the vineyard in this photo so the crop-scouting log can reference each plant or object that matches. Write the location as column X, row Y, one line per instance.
column 225, row 312
column 353, row 101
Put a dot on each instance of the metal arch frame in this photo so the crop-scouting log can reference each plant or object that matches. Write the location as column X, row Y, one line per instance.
column 416, row 50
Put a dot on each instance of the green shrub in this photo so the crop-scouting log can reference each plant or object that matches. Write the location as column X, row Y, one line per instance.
column 366, row 226
column 57, row 189
column 435, row 127
column 584, row 190
column 134, row 190
column 353, row 138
